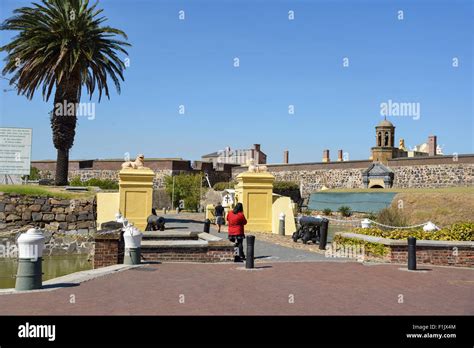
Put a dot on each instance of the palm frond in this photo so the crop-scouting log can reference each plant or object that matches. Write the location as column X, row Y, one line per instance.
column 60, row 41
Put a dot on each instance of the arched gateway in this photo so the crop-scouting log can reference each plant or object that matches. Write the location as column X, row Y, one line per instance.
column 377, row 176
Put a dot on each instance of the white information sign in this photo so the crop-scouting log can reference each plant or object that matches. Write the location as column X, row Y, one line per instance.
column 15, row 151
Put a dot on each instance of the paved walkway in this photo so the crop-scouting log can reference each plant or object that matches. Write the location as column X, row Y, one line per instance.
column 264, row 251
column 303, row 288
column 272, row 288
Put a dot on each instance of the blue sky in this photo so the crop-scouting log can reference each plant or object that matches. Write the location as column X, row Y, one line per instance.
column 282, row 62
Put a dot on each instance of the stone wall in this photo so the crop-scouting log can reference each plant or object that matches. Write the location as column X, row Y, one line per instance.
column 432, row 172
column 86, row 174
column 158, row 181
column 62, row 215
column 436, row 171
column 312, row 180
column 55, row 243
column 432, row 176
column 109, row 169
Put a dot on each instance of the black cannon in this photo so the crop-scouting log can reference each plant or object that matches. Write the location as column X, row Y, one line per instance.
column 155, row 223
column 312, row 229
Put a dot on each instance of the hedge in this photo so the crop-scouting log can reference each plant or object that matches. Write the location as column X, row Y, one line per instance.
column 462, row 231
column 377, row 249
column 222, row 185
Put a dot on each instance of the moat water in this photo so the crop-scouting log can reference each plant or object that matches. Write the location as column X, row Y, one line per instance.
column 53, row 267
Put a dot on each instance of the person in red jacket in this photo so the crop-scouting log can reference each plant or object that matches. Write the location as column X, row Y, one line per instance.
column 236, row 221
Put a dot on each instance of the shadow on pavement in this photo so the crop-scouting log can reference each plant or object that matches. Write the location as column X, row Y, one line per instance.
column 60, row 285
column 184, row 221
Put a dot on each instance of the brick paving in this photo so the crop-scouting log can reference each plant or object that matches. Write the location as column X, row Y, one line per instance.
column 272, row 288
column 317, row 288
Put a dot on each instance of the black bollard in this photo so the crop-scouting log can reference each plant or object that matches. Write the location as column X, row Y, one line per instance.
column 207, row 225
column 250, row 254
column 411, row 253
column 324, row 234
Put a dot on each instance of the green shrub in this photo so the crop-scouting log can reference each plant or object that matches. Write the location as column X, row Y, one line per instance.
column 76, row 181
column 463, row 231
column 327, row 211
column 187, row 187
column 105, row 184
column 222, row 185
column 288, row 189
column 345, row 211
column 377, row 249
column 371, row 216
column 34, row 174
column 285, row 185
column 392, row 216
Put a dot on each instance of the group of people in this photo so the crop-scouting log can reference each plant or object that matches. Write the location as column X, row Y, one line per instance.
column 236, row 222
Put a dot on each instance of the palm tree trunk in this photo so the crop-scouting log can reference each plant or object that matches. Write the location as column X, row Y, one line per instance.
column 63, row 125
column 62, row 166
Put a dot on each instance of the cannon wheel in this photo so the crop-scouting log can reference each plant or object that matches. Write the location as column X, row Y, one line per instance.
column 305, row 239
column 295, row 236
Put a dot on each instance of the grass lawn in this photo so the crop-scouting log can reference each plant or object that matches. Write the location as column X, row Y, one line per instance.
column 50, row 191
column 443, row 206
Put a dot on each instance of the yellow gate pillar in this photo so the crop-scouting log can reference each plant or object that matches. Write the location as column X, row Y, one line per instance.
column 136, row 195
column 254, row 190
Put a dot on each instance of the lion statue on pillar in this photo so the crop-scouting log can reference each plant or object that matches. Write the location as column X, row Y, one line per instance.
column 139, row 163
column 256, row 168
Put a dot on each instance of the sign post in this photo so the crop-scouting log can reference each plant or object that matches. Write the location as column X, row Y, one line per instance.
column 15, row 151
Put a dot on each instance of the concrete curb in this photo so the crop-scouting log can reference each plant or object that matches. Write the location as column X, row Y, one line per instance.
column 73, row 279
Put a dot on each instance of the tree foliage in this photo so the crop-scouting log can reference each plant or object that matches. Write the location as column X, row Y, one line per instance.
column 187, row 187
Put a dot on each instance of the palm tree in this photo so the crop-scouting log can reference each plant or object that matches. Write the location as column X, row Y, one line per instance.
column 62, row 45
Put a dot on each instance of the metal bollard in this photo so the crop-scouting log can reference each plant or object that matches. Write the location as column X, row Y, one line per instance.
column 133, row 238
column 30, row 252
column 281, row 226
column 324, row 234
column 207, row 225
column 411, row 253
column 249, row 262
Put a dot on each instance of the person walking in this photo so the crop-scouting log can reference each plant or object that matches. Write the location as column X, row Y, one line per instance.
column 237, row 221
column 219, row 214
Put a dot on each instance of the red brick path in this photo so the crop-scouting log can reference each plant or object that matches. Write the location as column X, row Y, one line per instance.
column 317, row 288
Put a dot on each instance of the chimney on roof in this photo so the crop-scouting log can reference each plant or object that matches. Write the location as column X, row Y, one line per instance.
column 256, row 147
column 326, row 156
column 339, row 156
column 286, row 156
column 432, row 145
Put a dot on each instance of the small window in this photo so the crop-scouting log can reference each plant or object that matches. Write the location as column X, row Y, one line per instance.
column 86, row 164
